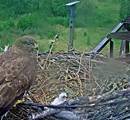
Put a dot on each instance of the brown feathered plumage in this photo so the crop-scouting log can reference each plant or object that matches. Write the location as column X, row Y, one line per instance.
column 18, row 68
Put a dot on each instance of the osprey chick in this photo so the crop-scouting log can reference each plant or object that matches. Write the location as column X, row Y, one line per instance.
column 60, row 99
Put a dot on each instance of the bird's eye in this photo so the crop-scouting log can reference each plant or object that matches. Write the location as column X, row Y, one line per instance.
column 31, row 43
column 64, row 96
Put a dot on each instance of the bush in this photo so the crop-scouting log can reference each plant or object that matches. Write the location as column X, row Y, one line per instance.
column 5, row 25
column 85, row 12
column 124, row 8
column 6, row 38
column 58, row 7
column 26, row 22
column 58, row 20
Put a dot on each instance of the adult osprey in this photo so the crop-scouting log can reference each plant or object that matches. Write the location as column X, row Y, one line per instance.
column 18, row 67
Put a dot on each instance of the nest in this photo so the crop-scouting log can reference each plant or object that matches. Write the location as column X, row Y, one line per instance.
column 110, row 106
column 78, row 75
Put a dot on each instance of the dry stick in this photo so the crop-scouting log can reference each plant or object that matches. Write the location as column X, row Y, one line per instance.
column 72, row 61
column 105, row 84
column 40, row 66
column 38, row 61
column 79, row 70
column 90, row 70
column 80, row 63
column 79, row 85
column 46, row 113
column 52, row 46
column 97, row 82
column 50, row 50
column 43, row 67
column 92, row 60
column 14, row 115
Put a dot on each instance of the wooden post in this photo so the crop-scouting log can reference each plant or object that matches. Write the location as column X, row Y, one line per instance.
column 122, row 48
column 71, row 29
column 127, row 47
column 111, row 48
column 72, row 7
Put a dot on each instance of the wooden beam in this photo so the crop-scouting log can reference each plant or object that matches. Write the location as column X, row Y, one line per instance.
column 111, row 48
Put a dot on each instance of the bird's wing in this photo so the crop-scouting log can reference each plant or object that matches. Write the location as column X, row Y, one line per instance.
column 55, row 101
column 13, row 78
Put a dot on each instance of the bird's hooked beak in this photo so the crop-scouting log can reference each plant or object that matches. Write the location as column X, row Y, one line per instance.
column 36, row 46
column 65, row 98
column 36, row 49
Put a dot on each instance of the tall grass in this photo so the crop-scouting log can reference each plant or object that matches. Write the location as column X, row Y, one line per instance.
column 91, row 25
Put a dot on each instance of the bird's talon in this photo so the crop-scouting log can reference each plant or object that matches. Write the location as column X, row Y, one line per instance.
column 19, row 102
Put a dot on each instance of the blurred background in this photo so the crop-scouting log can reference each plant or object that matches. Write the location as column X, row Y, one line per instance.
column 45, row 18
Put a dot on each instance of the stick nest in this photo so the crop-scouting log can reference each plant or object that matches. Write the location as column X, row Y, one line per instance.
column 78, row 75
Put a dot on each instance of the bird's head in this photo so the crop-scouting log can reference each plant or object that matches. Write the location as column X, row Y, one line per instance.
column 27, row 43
column 63, row 96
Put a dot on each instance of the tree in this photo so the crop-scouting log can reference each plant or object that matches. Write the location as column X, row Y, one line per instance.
column 85, row 12
column 58, row 7
column 124, row 8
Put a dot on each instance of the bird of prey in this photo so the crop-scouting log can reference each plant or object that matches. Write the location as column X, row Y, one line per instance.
column 18, row 66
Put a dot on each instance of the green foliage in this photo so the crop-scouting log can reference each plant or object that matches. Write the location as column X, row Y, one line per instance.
column 46, row 18
column 58, row 21
column 86, row 12
column 58, row 7
column 6, row 38
column 5, row 25
column 50, row 33
column 26, row 22
column 125, row 8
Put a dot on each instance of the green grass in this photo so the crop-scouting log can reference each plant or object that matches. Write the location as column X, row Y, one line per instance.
column 90, row 28
column 85, row 39
column 88, row 36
